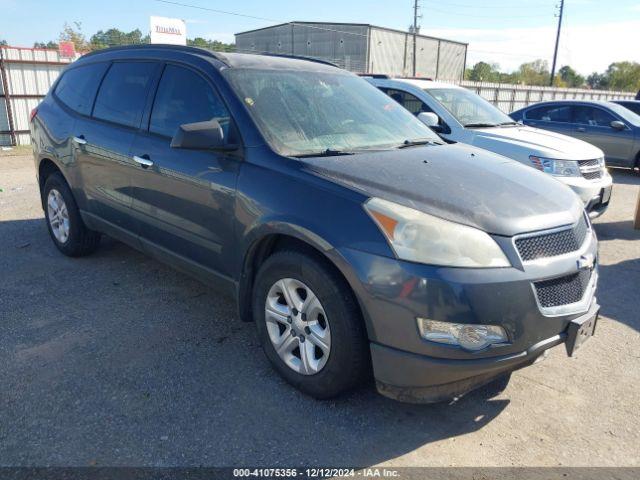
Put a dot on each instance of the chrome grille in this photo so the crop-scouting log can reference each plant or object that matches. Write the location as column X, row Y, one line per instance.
column 563, row 290
column 553, row 243
column 591, row 169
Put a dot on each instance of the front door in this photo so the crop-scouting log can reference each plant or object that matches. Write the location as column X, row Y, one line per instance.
column 183, row 200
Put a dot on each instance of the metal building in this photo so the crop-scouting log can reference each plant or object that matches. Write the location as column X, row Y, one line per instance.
column 360, row 48
column 25, row 77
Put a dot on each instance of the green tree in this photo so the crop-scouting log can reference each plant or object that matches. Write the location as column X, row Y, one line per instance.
column 569, row 77
column 3, row 42
column 623, row 76
column 114, row 37
column 74, row 34
column 483, row 72
column 211, row 44
column 49, row 44
column 598, row 81
column 533, row 73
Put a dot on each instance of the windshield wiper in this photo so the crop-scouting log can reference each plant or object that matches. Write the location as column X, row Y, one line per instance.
column 508, row 123
column 414, row 143
column 480, row 125
column 323, row 153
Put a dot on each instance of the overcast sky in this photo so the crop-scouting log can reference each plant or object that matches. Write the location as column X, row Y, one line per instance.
column 508, row 32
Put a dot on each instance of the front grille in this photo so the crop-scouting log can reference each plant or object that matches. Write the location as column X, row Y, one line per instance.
column 562, row 290
column 592, row 175
column 589, row 163
column 553, row 243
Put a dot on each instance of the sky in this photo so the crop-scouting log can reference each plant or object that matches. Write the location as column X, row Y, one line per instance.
column 595, row 33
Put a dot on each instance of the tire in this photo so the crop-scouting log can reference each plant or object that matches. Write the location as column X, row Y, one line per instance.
column 79, row 240
column 347, row 363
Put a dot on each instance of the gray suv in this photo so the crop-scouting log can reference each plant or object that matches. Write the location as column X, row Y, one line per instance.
column 607, row 125
column 354, row 238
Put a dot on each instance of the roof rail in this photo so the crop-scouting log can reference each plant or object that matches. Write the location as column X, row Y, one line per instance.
column 202, row 51
column 298, row 57
column 374, row 75
column 417, row 78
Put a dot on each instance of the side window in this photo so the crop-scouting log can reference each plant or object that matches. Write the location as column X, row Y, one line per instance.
column 550, row 114
column 185, row 97
column 408, row 101
column 123, row 92
column 595, row 117
column 77, row 87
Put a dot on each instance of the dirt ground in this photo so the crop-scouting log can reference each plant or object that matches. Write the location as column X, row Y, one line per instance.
column 116, row 359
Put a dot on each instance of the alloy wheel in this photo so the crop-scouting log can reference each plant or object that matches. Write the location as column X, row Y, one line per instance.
column 58, row 215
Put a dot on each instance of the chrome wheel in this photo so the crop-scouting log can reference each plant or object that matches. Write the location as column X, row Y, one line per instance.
column 297, row 326
column 58, row 215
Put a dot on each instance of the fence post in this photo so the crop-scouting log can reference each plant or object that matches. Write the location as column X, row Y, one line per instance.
column 7, row 99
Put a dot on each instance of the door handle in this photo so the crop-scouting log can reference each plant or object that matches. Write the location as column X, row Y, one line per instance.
column 144, row 162
column 80, row 140
column 581, row 129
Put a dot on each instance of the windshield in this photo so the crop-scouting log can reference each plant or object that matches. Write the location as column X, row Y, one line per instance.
column 302, row 113
column 625, row 113
column 469, row 108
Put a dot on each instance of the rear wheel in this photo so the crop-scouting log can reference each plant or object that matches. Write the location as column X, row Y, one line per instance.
column 67, row 230
column 310, row 325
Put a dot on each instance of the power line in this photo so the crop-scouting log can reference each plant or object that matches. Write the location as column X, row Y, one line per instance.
column 431, row 9
column 501, row 7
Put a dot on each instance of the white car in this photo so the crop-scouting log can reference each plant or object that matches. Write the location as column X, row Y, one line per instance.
column 460, row 115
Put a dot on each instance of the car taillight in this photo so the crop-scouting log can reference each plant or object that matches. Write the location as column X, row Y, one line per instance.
column 33, row 114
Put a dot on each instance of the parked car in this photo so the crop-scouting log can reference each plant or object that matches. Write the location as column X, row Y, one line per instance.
column 350, row 234
column 609, row 126
column 458, row 114
column 633, row 105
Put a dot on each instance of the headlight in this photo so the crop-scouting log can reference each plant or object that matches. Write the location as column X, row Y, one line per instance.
column 468, row 336
column 418, row 237
column 560, row 168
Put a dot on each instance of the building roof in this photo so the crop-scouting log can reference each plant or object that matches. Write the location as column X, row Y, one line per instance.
column 366, row 25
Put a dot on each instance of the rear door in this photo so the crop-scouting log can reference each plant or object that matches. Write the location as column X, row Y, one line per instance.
column 103, row 142
column 593, row 124
column 184, row 199
column 554, row 117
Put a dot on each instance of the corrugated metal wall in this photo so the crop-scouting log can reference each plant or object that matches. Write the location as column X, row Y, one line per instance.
column 344, row 45
column 29, row 74
column 391, row 52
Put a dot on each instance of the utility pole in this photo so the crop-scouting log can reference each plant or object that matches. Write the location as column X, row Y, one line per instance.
column 415, row 33
column 555, row 52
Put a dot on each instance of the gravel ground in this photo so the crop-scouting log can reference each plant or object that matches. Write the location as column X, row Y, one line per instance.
column 116, row 359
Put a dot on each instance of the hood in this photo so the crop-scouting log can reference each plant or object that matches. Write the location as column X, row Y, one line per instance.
column 521, row 141
column 458, row 183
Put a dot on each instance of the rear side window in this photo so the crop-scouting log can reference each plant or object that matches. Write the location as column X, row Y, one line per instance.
column 594, row 117
column 185, row 97
column 550, row 113
column 123, row 92
column 77, row 87
column 408, row 101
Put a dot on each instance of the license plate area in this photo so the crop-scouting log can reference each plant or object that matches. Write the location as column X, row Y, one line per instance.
column 579, row 331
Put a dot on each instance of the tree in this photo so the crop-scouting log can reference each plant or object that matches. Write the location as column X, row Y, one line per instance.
column 49, row 44
column 74, row 34
column 569, row 77
column 114, row 37
column 533, row 73
column 483, row 72
column 211, row 44
column 598, row 81
column 623, row 76
column 3, row 43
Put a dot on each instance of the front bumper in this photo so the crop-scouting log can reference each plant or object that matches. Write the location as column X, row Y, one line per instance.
column 414, row 378
column 591, row 192
column 393, row 293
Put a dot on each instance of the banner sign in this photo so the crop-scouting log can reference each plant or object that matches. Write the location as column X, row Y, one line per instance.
column 168, row 30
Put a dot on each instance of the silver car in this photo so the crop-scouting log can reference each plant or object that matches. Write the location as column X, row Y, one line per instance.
column 613, row 128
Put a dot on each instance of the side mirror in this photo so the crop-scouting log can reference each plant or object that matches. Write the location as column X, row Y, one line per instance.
column 430, row 119
column 201, row 136
column 617, row 125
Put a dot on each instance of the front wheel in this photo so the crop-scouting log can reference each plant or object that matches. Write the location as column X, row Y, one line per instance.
column 309, row 324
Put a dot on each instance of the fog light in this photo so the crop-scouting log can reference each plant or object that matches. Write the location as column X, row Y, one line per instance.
column 468, row 336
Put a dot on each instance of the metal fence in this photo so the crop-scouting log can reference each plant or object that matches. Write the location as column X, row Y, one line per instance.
column 508, row 97
column 26, row 74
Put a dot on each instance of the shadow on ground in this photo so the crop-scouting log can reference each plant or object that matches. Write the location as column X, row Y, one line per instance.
column 115, row 359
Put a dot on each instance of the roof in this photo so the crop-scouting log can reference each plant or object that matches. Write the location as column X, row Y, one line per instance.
column 366, row 25
column 416, row 82
column 228, row 59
